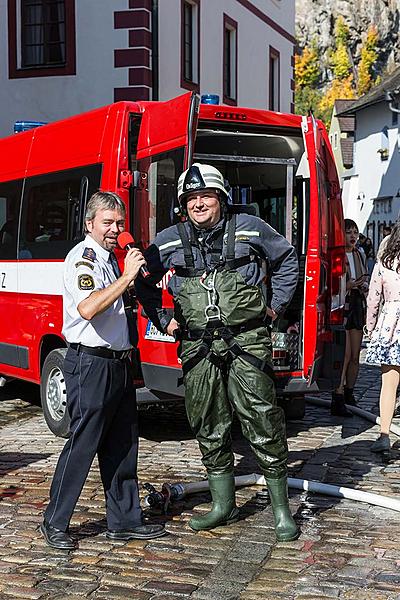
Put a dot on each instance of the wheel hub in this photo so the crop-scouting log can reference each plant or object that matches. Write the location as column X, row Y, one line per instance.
column 56, row 394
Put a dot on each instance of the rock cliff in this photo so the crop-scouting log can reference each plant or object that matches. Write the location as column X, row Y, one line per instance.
column 315, row 20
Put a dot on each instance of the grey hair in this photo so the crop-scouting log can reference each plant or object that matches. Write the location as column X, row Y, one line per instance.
column 104, row 201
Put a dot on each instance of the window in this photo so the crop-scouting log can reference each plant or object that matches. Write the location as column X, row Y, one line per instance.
column 274, row 79
column 53, row 212
column 190, row 48
column 335, row 140
column 162, row 179
column 10, row 198
column 230, row 61
column 42, row 37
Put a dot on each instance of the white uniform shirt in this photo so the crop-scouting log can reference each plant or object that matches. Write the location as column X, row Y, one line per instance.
column 88, row 268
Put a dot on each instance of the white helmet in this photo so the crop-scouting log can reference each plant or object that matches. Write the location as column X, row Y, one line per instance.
column 201, row 177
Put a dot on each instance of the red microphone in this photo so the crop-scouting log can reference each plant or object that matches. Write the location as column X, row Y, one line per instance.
column 126, row 242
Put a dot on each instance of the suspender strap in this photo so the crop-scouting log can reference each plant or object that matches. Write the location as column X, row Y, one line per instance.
column 187, row 249
column 235, row 263
column 230, row 242
column 229, row 265
column 188, row 272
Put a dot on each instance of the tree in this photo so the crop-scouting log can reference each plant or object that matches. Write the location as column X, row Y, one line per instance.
column 342, row 89
column 306, row 68
column 342, row 85
column 307, row 76
column 340, row 57
column 369, row 56
column 307, row 99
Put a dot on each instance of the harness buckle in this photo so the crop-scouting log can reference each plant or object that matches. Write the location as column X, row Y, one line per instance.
column 212, row 312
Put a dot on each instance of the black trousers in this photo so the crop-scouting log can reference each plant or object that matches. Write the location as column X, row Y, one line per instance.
column 102, row 405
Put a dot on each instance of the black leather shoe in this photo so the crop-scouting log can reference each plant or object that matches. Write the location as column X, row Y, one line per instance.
column 349, row 397
column 57, row 538
column 338, row 407
column 141, row 532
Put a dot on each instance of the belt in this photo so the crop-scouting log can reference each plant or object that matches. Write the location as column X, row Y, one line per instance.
column 100, row 351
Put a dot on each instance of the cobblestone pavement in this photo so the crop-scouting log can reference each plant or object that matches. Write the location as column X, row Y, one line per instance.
column 347, row 550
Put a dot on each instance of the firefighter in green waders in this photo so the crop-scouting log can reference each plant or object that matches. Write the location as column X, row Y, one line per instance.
column 220, row 319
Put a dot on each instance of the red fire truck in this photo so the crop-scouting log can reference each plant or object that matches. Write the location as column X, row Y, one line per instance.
column 279, row 164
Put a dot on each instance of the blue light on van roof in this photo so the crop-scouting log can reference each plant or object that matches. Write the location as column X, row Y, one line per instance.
column 20, row 126
column 210, row 99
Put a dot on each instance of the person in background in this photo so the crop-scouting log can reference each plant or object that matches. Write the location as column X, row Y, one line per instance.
column 368, row 248
column 387, row 230
column 383, row 329
column 355, row 314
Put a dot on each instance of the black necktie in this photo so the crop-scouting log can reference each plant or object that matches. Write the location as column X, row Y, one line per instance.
column 129, row 301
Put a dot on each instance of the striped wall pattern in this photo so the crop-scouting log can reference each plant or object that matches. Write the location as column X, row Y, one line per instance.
column 137, row 57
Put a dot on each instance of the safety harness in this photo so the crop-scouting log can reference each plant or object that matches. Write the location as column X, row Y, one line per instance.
column 215, row 328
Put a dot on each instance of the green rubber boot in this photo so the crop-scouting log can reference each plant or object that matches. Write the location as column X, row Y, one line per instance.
column 224, row 510
column 286, row 529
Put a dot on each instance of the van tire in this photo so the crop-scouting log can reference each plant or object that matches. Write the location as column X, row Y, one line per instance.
column 53, row 393
column 294, row 407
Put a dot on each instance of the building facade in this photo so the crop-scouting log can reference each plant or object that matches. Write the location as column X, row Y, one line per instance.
column 62, row 57
column 371, row 189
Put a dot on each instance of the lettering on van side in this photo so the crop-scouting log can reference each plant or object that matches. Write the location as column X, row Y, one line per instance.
column 3, row 281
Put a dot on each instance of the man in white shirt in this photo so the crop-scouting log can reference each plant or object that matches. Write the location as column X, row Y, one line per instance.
column 98, row 376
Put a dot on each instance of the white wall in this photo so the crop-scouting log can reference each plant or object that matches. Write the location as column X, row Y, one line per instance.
column 254, row 39
column 52, row 98
column 372, row 177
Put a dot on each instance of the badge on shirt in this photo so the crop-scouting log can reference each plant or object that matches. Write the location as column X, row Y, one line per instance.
column 85, row 282
column 89, row 254
column 83, row 263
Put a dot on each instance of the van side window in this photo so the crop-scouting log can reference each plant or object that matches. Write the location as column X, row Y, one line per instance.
column 53, row 210
column 159, row 195
column 10, row 198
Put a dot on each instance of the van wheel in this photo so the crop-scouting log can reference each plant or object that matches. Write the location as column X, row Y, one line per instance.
column 53, row 393
column 293, row 406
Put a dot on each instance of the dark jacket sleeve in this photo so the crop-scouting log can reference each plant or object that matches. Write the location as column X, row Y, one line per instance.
column 283, row 265
column 158, row 262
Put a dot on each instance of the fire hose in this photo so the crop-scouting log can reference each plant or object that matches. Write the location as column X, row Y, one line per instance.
column 177, row 491
column 355, row 410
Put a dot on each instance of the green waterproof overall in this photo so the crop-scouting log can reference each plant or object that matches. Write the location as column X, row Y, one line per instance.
column 227, row 361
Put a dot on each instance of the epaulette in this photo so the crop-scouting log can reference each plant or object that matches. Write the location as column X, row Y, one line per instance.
column 89, row 254
column 84, row 263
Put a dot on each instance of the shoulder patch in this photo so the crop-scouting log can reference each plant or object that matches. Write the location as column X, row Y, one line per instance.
column 83, row 263
column 89, row 254
column 85, row 282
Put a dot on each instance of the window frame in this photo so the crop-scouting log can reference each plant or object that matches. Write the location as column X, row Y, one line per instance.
column 230, row 26
column 274, row 79
column 16, row 71
column 192, row 84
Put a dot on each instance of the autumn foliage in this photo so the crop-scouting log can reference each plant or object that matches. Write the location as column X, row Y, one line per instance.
column 347, row 81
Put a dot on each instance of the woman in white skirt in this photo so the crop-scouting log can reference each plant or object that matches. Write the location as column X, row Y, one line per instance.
column 383, row 328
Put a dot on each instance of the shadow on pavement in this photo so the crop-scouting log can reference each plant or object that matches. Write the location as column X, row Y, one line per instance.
column 11, row 461
column 164, row 423
column 16, row 388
